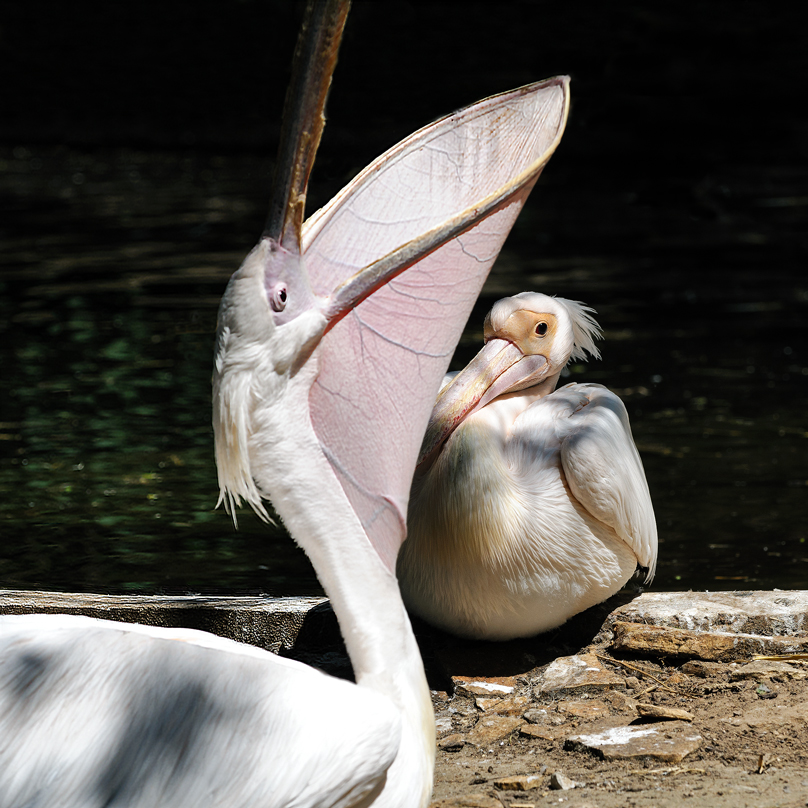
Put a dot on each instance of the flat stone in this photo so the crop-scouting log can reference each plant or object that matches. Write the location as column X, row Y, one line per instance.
column 704, row 670
column 489, row 730
column 712, row 646
column 507, row 706
column 535, row 731
column 452, row 742
column 537, row 716
column 560, row 782
column 658, row 741
column 574, row 675
column 667, row 713
column 519, row 782
column 484, row 685
column 768, row 669
column 620, row 701
column 271, row 623
column 541, row 716
column 589, row 710
column 778, row 612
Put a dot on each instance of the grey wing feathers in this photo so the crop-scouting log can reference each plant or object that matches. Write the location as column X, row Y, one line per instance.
column 92, row 714
column 605, row 473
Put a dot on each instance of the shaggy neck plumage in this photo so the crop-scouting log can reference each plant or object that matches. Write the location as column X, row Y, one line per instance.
column 289, row 468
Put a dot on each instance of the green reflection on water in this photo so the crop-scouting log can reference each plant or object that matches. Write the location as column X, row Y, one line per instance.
column 111, row 470
column 107, row 478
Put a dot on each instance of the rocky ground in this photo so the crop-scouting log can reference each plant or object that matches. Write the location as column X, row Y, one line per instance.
column 649, row 700
column 673, row 709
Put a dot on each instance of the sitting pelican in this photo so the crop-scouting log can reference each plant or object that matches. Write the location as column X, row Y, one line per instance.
column 332, row 339
column 528, row 505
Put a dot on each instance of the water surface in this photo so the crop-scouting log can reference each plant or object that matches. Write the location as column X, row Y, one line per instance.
column 114, row 262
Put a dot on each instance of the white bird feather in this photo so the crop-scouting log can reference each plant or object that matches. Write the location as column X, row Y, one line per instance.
column 531, row 503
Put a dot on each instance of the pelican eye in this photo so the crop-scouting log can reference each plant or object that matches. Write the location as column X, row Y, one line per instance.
column 277, row 297
column 541, row 328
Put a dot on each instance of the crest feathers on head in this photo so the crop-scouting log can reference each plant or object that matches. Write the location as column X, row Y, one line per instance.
column 585, row 329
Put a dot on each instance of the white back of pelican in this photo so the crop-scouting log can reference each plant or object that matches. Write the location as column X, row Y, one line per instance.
column 530, row 504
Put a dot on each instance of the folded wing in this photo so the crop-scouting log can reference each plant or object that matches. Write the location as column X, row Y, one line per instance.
column 605, row 473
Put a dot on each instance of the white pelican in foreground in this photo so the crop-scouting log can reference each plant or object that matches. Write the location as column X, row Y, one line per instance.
column 529, row 505
column 332, row 341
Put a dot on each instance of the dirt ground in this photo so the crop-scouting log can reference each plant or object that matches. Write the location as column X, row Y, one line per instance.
column 515, row 709
column 751, row 723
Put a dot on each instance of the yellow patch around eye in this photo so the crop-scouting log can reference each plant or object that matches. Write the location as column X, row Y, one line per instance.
column 532, row 331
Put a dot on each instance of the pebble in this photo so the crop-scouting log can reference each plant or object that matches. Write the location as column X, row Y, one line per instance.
column 702, row 669
column 533, row 731
column 484, row 686
column 519, row 782
column 491, row 729
column 658, row 711
column 620, row 701
column 452, row 743
column 559, row 781
column 576, row 675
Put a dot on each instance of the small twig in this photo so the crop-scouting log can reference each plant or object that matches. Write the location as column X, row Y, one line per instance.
column 659, row 682
column 672, row 770
column 630, row 667
column 781, row 657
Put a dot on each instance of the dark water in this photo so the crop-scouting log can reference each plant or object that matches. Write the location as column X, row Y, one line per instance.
column 113, row 272
column 677, row 207
column 110, row 289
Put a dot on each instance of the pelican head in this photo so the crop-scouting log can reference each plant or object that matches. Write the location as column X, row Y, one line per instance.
column 529, row 339
column 268, row 325
column 552, row 327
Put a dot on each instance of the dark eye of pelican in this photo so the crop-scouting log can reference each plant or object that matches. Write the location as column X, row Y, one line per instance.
column 277, row 297
column 541, row 329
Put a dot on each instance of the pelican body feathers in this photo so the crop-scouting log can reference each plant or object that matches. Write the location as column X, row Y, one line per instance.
column 536, row 506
